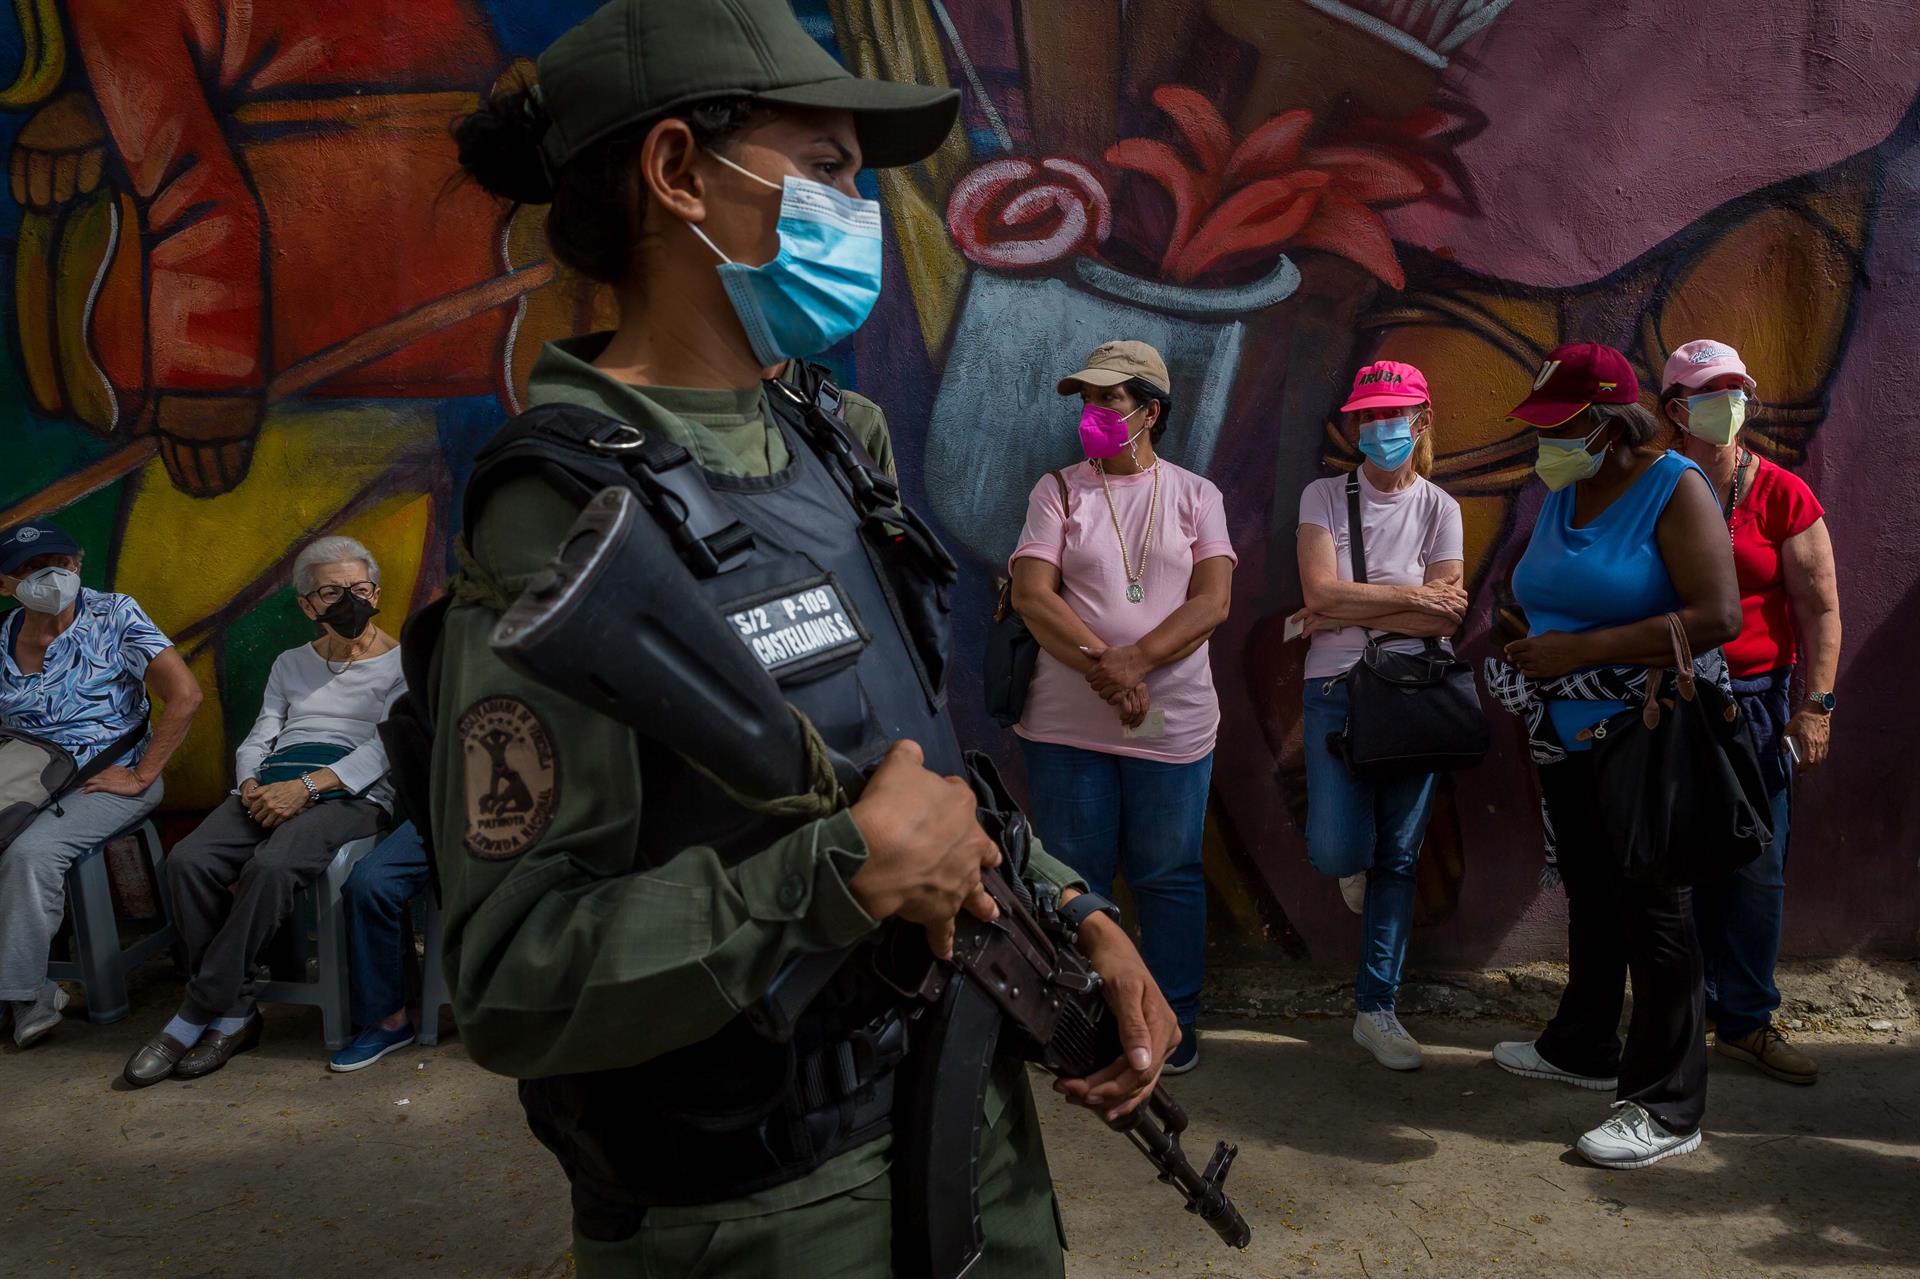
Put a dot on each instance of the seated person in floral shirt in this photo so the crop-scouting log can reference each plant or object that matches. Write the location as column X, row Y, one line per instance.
column 76, row 668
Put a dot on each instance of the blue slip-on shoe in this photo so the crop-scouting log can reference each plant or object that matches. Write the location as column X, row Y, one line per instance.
column 369, row 1046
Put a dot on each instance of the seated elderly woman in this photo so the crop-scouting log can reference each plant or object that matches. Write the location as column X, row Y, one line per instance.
column 312, row 778
column 76, row 668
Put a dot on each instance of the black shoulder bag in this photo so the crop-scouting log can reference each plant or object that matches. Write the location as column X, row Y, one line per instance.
column 1407, row 713
column 1007, row 667
column 1682, row 798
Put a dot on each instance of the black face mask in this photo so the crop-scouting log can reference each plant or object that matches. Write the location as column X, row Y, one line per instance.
column 348, row 616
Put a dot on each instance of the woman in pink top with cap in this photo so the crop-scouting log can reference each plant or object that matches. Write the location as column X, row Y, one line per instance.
column 1367, row 833
column 1122, row 573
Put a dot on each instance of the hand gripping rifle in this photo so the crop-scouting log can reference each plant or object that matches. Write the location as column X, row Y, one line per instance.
column 615, row 621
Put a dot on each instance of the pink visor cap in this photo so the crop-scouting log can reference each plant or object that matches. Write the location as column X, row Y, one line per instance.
column 1698, row 363
column 1386, row 384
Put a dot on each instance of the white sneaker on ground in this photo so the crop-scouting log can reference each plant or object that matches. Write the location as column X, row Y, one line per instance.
column 1520, row 1057
column 1381, row 1034
column 1353, row 891
column 1632, row 1138
column 32, row 1022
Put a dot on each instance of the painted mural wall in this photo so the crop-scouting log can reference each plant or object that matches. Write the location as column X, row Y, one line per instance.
column 248, row 302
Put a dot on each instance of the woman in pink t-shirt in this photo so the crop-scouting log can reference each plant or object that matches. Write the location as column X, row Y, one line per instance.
column 1122, row 573
column 1367, row 833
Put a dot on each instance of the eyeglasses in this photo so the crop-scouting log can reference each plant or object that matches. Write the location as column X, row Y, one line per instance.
column 326, row 597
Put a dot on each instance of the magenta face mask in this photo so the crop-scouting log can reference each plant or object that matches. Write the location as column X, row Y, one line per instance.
column 1103, row 431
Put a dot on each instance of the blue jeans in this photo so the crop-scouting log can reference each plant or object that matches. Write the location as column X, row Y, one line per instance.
column 1356, row 825
column 375, row 898
column 1739, row 923
column 1102, row 814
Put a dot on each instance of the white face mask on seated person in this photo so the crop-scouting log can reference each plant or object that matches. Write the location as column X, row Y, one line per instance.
column 48, row 590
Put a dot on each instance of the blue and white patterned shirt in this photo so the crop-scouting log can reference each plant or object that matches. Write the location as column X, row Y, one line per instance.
column 91, row 689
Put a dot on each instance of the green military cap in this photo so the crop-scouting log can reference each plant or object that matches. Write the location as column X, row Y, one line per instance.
column 635, row 59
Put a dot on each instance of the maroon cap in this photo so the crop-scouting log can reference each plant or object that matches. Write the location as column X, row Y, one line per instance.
column 1575, row 376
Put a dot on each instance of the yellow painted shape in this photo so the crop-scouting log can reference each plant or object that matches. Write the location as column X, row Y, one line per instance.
column 86, row 239
column 187, row 558
column 33, row 309
column 1777, row 289
column 897, row 40
column 200, row 772
column 395, row 531
column 43, row 54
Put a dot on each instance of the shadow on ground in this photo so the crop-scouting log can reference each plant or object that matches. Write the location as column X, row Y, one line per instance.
column 422, row 1166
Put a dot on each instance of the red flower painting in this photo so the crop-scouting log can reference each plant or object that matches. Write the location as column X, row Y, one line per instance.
column 1237, row 202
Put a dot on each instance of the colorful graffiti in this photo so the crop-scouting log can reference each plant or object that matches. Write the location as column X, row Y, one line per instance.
column 250, row 303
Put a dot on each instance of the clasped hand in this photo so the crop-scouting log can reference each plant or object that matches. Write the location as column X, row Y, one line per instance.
column 1119, row 675
column 276, row 802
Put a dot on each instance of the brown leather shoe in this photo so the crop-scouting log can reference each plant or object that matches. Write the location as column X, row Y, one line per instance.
column 153, row 1061
column 1768, row 1051
column 215, row 1049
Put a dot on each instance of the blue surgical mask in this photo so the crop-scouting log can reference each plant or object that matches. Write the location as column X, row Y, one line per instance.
column 1389, row 442
column 821, row 286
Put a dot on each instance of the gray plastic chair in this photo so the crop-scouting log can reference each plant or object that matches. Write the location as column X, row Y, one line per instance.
column 433, row 979
column 98, row 963
column 319, row 903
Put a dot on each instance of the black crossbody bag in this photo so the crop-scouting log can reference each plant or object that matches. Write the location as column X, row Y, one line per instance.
column 1407, row 713
column 1012, row 651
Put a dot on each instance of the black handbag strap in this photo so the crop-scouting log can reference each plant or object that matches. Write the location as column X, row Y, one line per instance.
column 1356, row 541
column 108, row 755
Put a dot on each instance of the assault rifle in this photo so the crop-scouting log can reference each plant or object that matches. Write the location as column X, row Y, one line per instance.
column 616, row 622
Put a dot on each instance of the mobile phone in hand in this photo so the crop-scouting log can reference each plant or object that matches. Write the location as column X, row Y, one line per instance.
column 1293, row 629
column 1793, row 750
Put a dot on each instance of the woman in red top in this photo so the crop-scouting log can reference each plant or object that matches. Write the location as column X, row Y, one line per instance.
column 1791, row 607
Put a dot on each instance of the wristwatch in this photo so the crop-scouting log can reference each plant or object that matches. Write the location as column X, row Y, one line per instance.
column 1822, row 702
column 1074, row 913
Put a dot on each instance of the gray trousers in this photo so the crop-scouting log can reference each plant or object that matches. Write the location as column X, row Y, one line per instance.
column 234, row 881
column 33, row 878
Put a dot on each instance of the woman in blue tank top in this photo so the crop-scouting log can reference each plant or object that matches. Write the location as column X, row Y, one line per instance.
column 1629, row 534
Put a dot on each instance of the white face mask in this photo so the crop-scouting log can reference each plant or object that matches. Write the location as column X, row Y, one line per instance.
column 50, row 590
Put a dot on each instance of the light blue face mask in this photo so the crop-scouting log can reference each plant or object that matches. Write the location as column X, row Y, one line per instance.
column 1389, row 442
column 821, row 286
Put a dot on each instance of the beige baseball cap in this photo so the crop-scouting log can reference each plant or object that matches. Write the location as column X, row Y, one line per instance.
column 1115, row 362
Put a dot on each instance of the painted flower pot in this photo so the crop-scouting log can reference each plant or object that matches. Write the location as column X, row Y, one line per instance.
column 998, row 424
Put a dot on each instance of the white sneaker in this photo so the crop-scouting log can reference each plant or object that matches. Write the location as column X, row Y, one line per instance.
column 1381, row 1034
column 32, row 1022
column 1353, row 890
column 1632, row 1138
column 1520, row 1057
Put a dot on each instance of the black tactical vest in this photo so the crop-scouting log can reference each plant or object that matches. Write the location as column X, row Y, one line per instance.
column 842, row 594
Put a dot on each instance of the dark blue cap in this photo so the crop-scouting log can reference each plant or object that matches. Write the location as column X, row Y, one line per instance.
column 23, row 542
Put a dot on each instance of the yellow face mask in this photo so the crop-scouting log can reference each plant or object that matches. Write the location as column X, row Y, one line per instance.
column 1716, row 416
column 1564, row 462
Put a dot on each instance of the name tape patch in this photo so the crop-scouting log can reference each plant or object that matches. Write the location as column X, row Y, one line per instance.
column 801, row 628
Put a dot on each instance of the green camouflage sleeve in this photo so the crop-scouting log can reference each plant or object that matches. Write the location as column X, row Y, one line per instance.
column 869, row 426
column 565, row 951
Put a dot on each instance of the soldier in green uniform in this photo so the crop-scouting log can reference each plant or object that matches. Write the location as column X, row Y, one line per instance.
column 611, row 914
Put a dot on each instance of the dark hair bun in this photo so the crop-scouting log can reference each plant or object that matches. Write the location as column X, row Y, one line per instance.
column 500, row 147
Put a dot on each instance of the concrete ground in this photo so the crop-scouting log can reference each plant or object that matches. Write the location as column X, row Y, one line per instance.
column 422, row 1165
